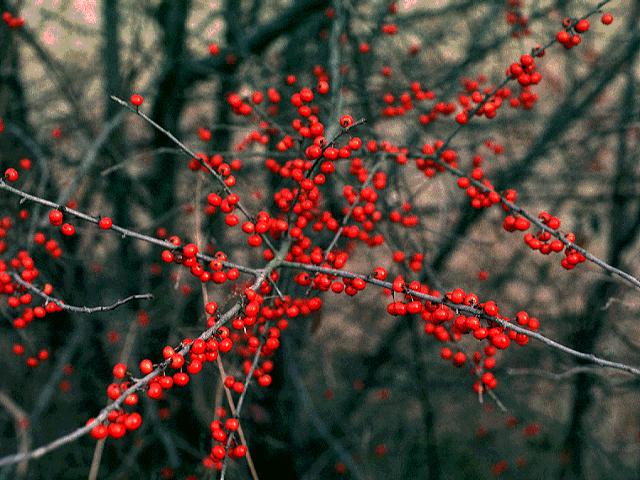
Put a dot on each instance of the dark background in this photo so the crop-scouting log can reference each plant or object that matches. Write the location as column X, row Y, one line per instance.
column 352, row 385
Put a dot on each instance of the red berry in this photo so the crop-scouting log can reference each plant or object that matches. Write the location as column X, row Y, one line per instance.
column 563, row 37
column 459, row 359
column 582, row 25
column 116, row 430
column 133, row 421
column 136, row 100
column 11, row 174
column 105, row 223
column 346, row 121
column 181, row 379
column 155, row 390
column 232, row 424
column 146, row 366
column 68, row 229
column 607, row 19
column 490, row 308
column 55, row 217
column 218, row 452
column 119, row 370
column 190, row 250
column 99, row 432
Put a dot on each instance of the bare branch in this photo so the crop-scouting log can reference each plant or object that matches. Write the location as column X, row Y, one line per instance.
column 83, row 309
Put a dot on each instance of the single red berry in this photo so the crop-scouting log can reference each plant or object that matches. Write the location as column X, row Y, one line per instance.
column 68, row 229
column 146, row 366
column 181, row 379
column 105, row 223
column 177, row 361
column 155, row 390
column 113, row 391
column 116, row 430
column 119, row 370
column 240, row 451
column 211, row 308
column 133, row 421
column 136, row 100
column 346, row 121
column 218, row 452
column 582, row 25
column 11, row 174
column 232, row 424
column 190, row 250
column 55, row 217
column 459, row 359
column 99, row 432
column 563, row 37
column 607, row 19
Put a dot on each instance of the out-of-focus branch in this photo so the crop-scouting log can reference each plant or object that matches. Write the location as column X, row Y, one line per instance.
column 23, row 429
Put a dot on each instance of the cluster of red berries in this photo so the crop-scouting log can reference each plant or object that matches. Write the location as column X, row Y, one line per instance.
column 31, row 361
column 415, row 262
column 221, row 430
column 402, row 103
column 201, row 351
column 216, row 163
column 187, row 256
column 527, row 75
column 56, row 218
column 19, row 299
column 51, row 246
column 446, row 325
column 404, row 217
column 479, row 198
column 117, row 425
column 6, row 223
column 11, row 20
column 18, row 296
column 543, row 242
column 517, row 19
column 569, row 37
column 428, row 165
column 488, row 101
column 11, row 174
column 482, row 106
column 259, row 137
column 514, row 223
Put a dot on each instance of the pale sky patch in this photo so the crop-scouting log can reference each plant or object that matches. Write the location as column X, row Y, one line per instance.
column 88, row 10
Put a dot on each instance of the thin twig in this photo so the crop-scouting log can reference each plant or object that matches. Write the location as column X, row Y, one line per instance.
column 83, row 309
column 193, row 155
